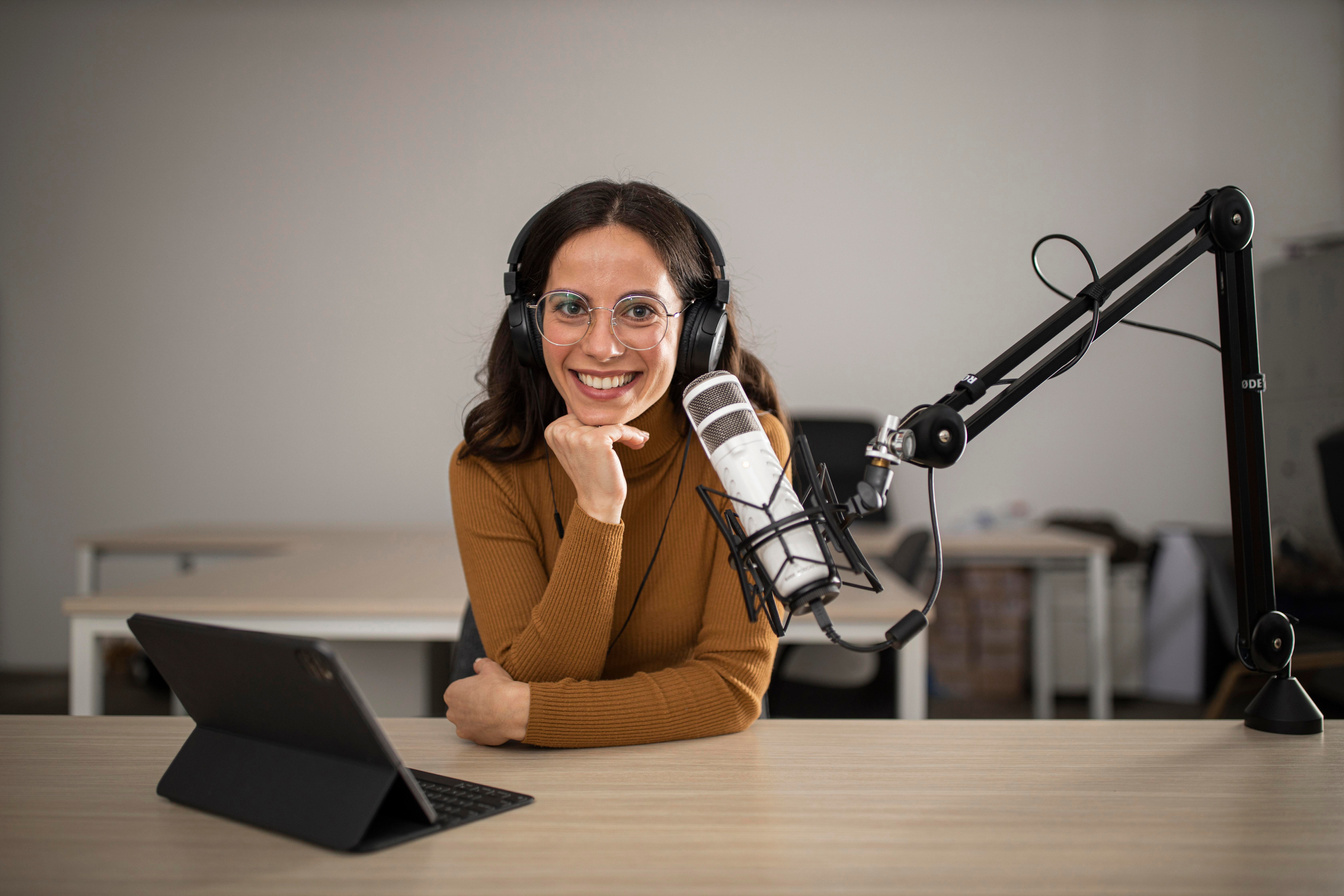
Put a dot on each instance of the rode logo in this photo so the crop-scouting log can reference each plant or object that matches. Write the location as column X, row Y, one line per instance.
column 1254, row 384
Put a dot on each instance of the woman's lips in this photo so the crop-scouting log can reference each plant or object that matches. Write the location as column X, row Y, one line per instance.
column 604, row 394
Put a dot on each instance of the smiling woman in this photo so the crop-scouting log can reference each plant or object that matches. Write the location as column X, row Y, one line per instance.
column 603, row 594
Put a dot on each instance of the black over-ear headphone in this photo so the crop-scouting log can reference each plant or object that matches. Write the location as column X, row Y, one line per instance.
column 704, row 322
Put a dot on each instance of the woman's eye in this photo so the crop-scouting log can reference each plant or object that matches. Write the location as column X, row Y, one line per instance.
column 639, row 312
column 570, row 308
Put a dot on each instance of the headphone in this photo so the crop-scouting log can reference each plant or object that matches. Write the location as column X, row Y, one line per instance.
column 704, row 324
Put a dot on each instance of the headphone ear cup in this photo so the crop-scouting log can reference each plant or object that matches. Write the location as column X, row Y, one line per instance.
column 526, row 337
column 703, row 328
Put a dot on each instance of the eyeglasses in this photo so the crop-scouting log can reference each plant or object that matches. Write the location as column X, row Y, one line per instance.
column 638, row 322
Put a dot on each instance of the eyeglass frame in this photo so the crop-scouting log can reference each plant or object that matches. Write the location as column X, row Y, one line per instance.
column 533, row 306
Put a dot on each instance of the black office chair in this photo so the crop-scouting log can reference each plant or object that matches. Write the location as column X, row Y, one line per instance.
column 838, row 443
column 1331, row 452
column 1317, row 646
column 907, row 561
column 468, row 648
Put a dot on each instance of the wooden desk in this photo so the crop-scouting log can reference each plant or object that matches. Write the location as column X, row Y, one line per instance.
column 789, row 806
column 368, row 585
column 1042, row 549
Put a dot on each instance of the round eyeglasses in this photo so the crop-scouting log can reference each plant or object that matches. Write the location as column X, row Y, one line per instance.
column 638, row 322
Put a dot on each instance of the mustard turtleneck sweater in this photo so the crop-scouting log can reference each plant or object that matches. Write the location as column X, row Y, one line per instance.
column 689, row 663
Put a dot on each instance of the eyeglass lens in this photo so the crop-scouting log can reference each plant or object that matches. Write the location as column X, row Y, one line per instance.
column 639, row 322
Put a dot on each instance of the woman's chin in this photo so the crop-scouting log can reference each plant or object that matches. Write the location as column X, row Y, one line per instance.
column 601, row 416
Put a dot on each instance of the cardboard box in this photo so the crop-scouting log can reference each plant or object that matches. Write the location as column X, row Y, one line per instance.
column 978, row 645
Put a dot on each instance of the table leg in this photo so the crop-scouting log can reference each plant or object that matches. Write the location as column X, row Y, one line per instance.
column 1098, row 633
column 912, row 678
column 1042, row 649
column 86, row 570
column 86, row 669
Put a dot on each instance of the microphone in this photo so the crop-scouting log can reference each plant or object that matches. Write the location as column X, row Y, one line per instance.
column 779, row 534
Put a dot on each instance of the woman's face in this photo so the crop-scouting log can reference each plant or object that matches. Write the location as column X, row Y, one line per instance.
column 605, row 265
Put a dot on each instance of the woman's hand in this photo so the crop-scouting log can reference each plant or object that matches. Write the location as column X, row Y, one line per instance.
column 489, row 707
column 588, row 456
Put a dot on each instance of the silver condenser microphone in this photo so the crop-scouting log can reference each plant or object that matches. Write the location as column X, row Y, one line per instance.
column 740, row 452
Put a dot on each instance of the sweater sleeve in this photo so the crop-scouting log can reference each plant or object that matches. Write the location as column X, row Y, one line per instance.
column 716, row 690
column 563, row 633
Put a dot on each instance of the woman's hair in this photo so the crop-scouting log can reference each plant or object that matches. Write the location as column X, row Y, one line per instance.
column 518, row 403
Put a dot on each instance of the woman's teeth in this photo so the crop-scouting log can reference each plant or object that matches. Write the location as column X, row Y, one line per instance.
column 604, row 382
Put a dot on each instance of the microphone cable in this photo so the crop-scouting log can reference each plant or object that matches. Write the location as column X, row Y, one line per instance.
column 1036, row 266
column 1096, row 305
column 828, row 628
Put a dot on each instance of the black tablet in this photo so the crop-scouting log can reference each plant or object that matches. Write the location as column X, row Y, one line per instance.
column 284, row 740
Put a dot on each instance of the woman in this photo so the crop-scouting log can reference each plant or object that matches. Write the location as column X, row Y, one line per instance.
column 600, row 585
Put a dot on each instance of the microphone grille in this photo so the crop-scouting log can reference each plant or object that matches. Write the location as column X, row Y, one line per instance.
column 708, row 393
column 708, row 398
column 721, row 429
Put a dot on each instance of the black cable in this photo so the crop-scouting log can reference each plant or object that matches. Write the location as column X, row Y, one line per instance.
column 1210, row 343
column 555, row 509
column 1096, row 303
column 536, row 402
column 824, row 619
column 1091, row 338
column 685, row 452
column 910, row 413
column 1036, row 266
column 937, row 548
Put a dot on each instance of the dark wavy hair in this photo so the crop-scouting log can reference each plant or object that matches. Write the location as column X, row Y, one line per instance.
column 518, row 403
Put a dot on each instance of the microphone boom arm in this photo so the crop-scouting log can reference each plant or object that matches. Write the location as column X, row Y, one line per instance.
column 935, row 435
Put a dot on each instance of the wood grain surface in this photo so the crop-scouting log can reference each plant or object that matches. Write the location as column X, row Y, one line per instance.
column 789, row 806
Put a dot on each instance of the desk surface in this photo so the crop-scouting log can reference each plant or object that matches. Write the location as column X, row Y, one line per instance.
column 1026, row 543
column 788, row 806
column 347, row 572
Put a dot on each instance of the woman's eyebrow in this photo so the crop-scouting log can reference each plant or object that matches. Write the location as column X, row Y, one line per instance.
column 646, row 293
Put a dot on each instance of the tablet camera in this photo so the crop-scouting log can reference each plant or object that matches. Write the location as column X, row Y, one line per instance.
column 315, row 665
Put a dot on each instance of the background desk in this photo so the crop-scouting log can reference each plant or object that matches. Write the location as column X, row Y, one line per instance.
column 789, row 806
column 367, row 585
column 1041, row 549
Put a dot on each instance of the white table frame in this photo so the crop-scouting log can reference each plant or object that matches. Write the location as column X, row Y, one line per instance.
column 89, row 624
column 1039, row 550
column 88, row 630
column 1096, row 563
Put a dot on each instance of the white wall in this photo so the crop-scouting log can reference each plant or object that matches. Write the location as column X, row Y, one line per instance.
column 249, row 252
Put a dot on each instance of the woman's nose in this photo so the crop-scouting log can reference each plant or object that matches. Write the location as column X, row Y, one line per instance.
column 600, row 341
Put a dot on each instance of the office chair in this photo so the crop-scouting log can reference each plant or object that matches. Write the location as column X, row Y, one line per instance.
column 1320, row 641
column 907, row 561
column 1316, row 647
column 838, row 443
column 468, row 648
column 1331, row 452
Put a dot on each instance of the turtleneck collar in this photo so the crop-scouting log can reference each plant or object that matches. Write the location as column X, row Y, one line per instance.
column 666, row 425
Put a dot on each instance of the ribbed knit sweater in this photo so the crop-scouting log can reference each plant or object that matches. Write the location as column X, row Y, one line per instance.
column 689, row 663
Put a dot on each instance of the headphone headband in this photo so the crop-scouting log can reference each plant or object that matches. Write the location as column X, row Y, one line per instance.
column 715, row 253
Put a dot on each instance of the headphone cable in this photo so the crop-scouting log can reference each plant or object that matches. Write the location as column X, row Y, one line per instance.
column 685, row 452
